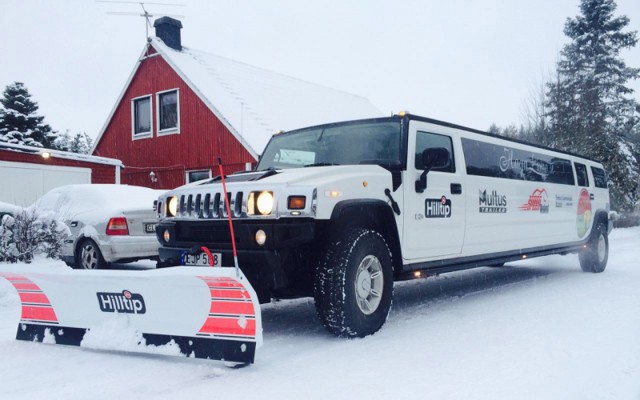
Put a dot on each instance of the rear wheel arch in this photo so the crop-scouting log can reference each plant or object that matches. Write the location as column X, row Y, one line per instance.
column 601, row 217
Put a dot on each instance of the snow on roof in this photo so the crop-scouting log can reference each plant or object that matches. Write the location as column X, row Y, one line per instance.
column 255, row 103
column 20, row 148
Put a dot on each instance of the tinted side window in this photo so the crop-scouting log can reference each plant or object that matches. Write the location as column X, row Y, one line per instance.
column 498, row 161
column 599, row 177
column 581, row 174
column 426, row 140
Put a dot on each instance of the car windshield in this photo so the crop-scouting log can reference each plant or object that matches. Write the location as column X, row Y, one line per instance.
column 348, row 144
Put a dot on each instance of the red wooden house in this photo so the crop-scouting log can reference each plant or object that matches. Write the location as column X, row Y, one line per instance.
column 181, row 109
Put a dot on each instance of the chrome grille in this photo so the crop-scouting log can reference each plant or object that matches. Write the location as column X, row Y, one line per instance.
column 211, row 205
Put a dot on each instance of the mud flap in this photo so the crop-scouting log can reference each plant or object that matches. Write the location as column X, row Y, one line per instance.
column 200, row 312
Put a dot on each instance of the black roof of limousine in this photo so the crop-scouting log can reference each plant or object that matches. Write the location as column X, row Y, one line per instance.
column 445, row 124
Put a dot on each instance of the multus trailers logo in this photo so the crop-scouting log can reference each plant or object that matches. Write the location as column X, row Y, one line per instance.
column 125, row 302
column 437, row 208
column 492, row 203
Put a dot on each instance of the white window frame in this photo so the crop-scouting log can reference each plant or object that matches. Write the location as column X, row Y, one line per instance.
column 141, row 135
column 186, row 174
column 170, row 131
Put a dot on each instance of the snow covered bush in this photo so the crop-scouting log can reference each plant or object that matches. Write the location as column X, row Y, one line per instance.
column 27, row 234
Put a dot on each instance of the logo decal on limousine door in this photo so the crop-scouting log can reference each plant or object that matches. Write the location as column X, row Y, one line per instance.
column 437, row 208
column 584, row 213
column 492, row 203
column 538, row 201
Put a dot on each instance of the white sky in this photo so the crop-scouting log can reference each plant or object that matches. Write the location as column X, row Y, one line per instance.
column 462, row 61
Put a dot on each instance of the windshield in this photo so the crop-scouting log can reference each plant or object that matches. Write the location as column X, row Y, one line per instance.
column 349, row 144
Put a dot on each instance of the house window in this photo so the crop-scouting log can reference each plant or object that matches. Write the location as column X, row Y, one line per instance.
column 168, row 112
column 193, row 176
column 141, row 117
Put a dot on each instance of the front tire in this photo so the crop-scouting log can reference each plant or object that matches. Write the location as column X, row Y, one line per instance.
column 89, row 256
column 353, row 285
column 594, row 257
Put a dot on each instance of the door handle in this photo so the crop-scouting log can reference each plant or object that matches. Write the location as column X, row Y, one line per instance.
column 456, row 188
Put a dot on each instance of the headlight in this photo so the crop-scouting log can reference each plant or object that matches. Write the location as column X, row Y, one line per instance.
column 172, row 206
column 264, row 203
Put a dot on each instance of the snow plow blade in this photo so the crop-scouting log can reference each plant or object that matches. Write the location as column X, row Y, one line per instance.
column 200, row 312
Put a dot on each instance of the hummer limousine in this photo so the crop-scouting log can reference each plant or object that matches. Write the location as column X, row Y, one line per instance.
column 341, row 211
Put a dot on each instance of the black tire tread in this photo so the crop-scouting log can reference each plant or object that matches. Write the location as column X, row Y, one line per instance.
column 331, row 285
column 589, row 256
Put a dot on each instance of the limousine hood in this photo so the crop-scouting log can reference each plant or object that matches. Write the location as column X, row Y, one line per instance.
column 321, row 175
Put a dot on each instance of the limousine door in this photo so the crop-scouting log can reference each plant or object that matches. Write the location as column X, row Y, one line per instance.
column 434, row 219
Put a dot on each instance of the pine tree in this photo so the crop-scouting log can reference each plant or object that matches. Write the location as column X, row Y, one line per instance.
column 19, row 122
column 80, row 143
column 590, row 107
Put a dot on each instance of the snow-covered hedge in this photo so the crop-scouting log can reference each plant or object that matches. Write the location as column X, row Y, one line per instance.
column 28, row 233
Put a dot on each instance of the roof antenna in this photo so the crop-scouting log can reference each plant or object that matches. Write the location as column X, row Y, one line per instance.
column 146, row 14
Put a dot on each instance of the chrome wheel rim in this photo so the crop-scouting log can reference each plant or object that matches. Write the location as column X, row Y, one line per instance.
column 369, row 284
column 602, row 248
column 89, row 256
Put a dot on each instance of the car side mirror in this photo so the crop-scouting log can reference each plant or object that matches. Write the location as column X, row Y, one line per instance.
column 436, row 157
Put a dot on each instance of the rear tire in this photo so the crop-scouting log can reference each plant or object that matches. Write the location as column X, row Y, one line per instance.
column 89, row 256
column 594, row 257
column 353, row 285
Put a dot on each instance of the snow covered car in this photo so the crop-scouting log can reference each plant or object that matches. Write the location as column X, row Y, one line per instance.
column 108, row 223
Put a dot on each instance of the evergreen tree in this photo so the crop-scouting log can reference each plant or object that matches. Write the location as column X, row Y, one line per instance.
column 81, row 143
column 590, row 107
column 19, row 122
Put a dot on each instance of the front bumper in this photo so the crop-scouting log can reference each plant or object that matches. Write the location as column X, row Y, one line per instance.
column 282, row 262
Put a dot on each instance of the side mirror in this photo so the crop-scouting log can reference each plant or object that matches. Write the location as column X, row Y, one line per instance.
column 436, row 157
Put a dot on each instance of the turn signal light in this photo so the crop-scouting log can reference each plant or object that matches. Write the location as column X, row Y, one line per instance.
column 117, row 226
column 296, row 202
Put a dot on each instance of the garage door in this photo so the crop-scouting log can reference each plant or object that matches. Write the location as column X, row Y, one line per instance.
column 22, row 183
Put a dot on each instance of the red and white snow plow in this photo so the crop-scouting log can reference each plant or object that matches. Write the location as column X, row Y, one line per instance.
column 200, row 312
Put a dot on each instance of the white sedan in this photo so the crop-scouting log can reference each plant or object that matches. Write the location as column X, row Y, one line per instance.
column 108, row 223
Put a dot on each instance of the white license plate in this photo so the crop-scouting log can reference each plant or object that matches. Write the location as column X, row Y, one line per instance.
column 150, row 228
column 201, row 259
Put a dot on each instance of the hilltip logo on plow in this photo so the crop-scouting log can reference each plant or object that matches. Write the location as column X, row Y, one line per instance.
column 125, row 302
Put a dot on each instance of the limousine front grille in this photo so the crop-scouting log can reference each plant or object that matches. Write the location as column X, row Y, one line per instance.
column 210, row 205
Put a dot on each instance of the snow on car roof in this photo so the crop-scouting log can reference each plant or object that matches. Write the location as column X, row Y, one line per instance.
column 99, row 201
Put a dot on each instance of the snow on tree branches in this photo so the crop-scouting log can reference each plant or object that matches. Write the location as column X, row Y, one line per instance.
column 590, row 108
column 19, row 122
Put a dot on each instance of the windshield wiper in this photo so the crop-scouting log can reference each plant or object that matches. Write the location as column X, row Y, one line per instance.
column 320, row 164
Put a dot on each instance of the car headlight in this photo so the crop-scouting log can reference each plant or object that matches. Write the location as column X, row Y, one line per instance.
column 264, row 203
column 172, row 206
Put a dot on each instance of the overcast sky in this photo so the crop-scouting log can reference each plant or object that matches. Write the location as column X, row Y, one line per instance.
column 466, row 62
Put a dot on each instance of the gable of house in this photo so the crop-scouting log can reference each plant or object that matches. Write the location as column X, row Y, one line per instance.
column 215, row 107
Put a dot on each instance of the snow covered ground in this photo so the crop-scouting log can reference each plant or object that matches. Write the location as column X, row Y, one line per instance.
column 537, row 329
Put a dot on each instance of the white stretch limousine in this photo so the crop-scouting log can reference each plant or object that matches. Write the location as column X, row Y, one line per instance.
column 340, row 211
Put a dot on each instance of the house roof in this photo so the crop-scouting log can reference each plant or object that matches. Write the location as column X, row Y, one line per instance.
column 255, row 103
column 67, row 155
